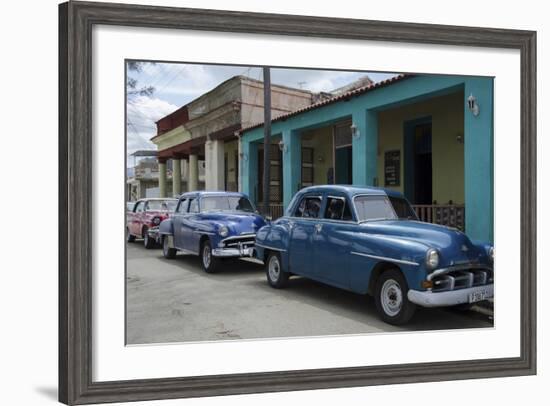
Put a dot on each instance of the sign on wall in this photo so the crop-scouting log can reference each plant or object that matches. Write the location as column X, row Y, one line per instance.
column 392, row 168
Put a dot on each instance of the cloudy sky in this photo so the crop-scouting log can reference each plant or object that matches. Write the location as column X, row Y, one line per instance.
column 178, row 84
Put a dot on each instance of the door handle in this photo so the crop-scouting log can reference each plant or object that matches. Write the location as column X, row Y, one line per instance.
column 318, row 227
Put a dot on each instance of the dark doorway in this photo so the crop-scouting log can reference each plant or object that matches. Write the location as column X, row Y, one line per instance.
column 343, row 165
column 418, row 161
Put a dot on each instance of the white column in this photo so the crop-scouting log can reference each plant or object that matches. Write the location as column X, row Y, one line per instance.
column 176, row 177
column 162, row 179
column 185, row 172
column 193, row 181
column 214, row 157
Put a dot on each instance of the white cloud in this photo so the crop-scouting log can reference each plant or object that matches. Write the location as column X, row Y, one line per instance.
column 142, row 113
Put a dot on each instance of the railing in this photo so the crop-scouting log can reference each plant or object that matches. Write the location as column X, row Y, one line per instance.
column 445, row 214
column 275, row 210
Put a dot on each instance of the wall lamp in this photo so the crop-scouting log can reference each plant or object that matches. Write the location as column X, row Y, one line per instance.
column 355, row 133
column 472, row 105
column 282, row 147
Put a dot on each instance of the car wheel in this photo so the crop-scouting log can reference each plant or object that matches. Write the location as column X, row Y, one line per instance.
column 391, row 298
column 276, row 277
column 129, row 237
column 209, row 262
column 148, row 242
column 167, row 251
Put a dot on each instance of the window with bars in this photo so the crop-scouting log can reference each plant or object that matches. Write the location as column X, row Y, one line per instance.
column 275, row 174
column 342, row 134
column 307, row 166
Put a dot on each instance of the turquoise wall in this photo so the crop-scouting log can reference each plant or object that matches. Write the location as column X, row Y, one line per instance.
column 478, row 139
column 478, row 160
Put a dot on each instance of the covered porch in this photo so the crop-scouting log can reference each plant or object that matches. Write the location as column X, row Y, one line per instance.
column 415, row 134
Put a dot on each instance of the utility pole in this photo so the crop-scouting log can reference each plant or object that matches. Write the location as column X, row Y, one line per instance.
column 267, row 136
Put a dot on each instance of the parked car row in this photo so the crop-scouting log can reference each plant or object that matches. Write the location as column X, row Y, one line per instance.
column 143, row 219
column 365, row 240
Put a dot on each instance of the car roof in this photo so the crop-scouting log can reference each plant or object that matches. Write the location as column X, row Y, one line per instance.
column 202, row 193
column 351, row 190
column 147, row 199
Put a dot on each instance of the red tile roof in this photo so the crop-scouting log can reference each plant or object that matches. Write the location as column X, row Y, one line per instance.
column 348, row 95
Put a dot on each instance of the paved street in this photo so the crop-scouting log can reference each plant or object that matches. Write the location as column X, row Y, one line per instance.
column 176, row 301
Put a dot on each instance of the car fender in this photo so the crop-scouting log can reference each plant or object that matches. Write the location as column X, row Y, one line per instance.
column 166, row 227
column 370, row 251
column 274, row 237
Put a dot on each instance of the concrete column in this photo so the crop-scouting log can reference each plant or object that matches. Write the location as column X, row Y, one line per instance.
column 185, row 171
column 249, row 169
column 292, row 165
column 478, row 160
column 193, row 181
column 176, row 177
column 162, row 179
column 214, row 157
column 365, row 148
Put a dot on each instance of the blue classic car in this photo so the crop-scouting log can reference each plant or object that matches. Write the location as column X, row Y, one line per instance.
column 369, row 241
column 214, row 225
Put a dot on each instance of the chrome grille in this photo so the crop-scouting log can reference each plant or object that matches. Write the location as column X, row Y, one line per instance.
column 244, row 241
column 461, row 279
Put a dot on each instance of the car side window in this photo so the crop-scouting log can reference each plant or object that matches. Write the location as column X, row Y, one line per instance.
column 309, row 206
column 139, row 207
column 338, row 209
column 182, row 207
column 193, row 205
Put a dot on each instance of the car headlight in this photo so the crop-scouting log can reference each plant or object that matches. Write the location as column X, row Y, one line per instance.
column 223, row 231
column 491, row 253
column 432, row 258
column 156, row 221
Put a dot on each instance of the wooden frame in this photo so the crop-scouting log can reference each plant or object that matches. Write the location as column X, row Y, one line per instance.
column 75, row 185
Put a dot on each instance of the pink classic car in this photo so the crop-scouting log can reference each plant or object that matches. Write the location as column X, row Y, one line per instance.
column 143, row 220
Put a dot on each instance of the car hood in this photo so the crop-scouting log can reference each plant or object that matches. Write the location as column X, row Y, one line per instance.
column 236, row 222
column 452, row 244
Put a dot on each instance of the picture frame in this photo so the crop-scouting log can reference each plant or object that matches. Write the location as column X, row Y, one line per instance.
column 76, row 20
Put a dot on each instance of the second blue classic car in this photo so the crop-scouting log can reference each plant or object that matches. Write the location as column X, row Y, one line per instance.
column 214, row 225
column 369, row 241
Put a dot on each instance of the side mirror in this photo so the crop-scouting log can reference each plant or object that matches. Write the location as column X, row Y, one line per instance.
column 268, row 218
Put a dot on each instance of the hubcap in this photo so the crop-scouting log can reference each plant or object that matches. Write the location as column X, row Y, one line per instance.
column 391, row 297
column 274, row 269
column 206, row 256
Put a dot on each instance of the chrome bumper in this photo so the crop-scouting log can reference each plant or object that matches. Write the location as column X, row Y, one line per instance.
column 233, row 252
column 154, row 233
column 451, row 297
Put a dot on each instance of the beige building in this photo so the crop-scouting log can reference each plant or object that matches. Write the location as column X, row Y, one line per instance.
column 204, row 132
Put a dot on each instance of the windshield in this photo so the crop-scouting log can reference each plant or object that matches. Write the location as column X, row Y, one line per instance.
column 161, row 205
column 383, row 208
column 403, row 209
column 226, row 203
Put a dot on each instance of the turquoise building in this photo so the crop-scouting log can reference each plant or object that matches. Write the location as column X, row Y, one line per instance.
column 427, row 136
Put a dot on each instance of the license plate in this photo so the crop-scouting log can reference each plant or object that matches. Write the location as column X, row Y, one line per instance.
column 477, row 296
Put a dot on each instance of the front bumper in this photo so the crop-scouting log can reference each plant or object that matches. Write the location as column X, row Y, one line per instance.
column 233, row 252
column 154, row 233
column 452, row 297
